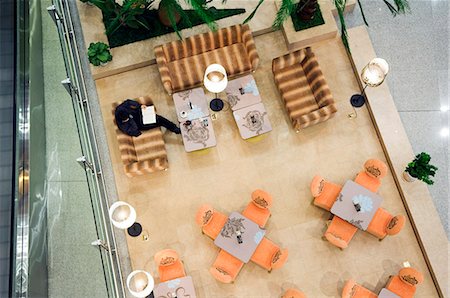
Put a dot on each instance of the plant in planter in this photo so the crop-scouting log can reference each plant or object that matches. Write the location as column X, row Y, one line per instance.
column 99, row 54
column 130, row 14
column 306, row 9
column 420, row 168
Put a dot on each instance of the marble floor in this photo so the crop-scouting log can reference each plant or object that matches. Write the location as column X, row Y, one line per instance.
column 281, row 163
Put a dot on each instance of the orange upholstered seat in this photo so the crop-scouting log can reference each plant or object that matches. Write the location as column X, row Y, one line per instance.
column 404, row 284
column 384, row 223
column 293, row 293
column 354, row 290
column 169, row 265
column 210, row 220
column 258, row 209
column 340, row 232
column 370, row 177
column 226, row 267
column 324, row 192
column 269, row 255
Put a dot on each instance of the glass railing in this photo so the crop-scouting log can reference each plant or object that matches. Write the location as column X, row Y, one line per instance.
column 31, row 234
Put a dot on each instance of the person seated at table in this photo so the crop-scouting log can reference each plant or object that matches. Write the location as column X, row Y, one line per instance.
column 129, row 119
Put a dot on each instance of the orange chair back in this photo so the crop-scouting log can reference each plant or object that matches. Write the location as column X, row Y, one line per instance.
column 169, row 265
column 262, row 199
column 256, row 214
column 354, row 290
column 410, row 276
column 279, row 258
column 293, row 293
column 375, row 168
column 166, row 257
column 324, row 192
column 404, row 284
column 226, row 267
column 317, row 185
column 396, row 225
column 204, row 215
column 340, row 232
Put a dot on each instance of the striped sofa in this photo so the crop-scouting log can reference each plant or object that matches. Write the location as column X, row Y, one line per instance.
column 143, row 154
column 303, row 88
column 182, row 63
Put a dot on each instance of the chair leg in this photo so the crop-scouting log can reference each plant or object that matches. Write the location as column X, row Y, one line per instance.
column 270, row 271
column 324, row 238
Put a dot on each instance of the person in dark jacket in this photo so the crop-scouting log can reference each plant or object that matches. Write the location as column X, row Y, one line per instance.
column 129, row 119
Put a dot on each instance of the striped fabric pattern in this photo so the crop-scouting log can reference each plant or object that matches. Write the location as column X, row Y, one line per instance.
column 143, row 154
column 303, row 88
column 182, row 63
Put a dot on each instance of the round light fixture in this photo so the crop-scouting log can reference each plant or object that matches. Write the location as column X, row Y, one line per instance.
column 140, row 283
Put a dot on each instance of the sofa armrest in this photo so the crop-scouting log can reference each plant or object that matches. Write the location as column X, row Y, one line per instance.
column 249, row 43
column 314, row 117
column 288, row 60
column 146, row 166
column 163, row 69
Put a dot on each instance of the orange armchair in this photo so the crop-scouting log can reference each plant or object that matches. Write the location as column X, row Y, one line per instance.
column 404, row 284
column 324, row 192
column 384, row 223
column 258, row 209
column 169, row 265
column 293, row 293
column 340, row 232
column 226, row 267
column 354, row 290
column 269, row 255
column 210, row 220
column 370, row 177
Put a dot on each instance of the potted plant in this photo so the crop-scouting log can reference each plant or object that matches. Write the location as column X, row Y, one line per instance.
column 99, row 53
column 420, row 168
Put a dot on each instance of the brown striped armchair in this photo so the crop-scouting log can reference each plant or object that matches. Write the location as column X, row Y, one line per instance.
column 303, row 88
column 182, row 63
column 143, row 154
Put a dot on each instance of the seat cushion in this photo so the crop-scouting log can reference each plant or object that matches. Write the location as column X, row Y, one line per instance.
column 397, row 286
column 150, row 145
column 295, row 91
column 328, row 195
column 264, row 253
column 170, row 272
column 256, row 214
column 215, row 225
column 369, row 182
column 380, row 221
column 188, row 72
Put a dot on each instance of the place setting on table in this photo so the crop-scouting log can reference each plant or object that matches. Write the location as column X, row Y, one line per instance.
column 182, row 287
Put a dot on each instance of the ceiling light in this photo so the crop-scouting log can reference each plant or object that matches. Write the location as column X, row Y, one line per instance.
column 444, row 132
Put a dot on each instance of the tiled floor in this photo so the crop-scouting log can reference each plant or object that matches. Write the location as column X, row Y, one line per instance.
column 6, row 139
column 417, row 49
column 282, row 163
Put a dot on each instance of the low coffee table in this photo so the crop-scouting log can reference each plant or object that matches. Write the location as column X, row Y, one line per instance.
column 181, row 287
column 242, row 92
column 198, row 134
column 345, row 209
column 190, row 104
column 251, row 234
column 252, row 121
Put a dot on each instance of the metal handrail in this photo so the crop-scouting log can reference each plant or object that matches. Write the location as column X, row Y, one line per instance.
column 76, row 86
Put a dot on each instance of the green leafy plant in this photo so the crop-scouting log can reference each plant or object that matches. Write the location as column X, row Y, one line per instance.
column 421, row 169
column 99, row 53
column 288, row 6
column 130, row 14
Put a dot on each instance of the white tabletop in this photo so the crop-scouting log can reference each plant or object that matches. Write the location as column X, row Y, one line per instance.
column 182, row 287
column 251, row 234
column 385, row 293
column 345, row 209
column 252, row 121
column 191, row 104
column 242, row 92
column 198, row 135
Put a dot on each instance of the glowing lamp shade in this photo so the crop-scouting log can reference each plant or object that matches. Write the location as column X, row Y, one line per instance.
column 374, row 73
column 140, row 283
column 215, row 79
column 122, row 215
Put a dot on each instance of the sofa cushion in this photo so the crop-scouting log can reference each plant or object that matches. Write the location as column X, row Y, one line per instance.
column 296, row 91
column 189, row 71
column 149, row 145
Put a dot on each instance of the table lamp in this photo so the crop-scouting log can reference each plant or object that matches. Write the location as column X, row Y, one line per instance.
column 215, row 81
column 373, row 75
column 123, row 216
column 140, row 283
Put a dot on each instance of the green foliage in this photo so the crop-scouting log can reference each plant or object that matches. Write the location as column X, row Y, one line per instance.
column 99, row 53
column 421, row 169
column 102, row 4
column 202, row 11
column 253, row 12
column 286, row 9
column 129, row 15
column 172, row 7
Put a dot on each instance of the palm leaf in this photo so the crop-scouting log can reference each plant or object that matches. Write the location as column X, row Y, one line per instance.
column 402, row 6
column 362, row 13
column 200, row 8
column 253, row 12
column 286, row 9
column 391, row 7
column 340, row 7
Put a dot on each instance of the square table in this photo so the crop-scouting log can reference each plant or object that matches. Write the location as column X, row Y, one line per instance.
column 252, row 121
column 344, row 208
column 190, row 104
column 197, row 135
column 182, row 287
column 242, row 92
column 385, row 293
column 251, row 234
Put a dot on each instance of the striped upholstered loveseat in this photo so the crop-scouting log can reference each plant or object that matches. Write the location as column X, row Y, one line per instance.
column 182, row 63
column 303, row 88
column 143, row 154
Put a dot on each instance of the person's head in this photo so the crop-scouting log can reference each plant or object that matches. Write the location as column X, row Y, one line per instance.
column 123, row 116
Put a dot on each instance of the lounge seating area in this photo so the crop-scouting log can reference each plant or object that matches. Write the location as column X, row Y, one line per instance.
column 277, row 230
